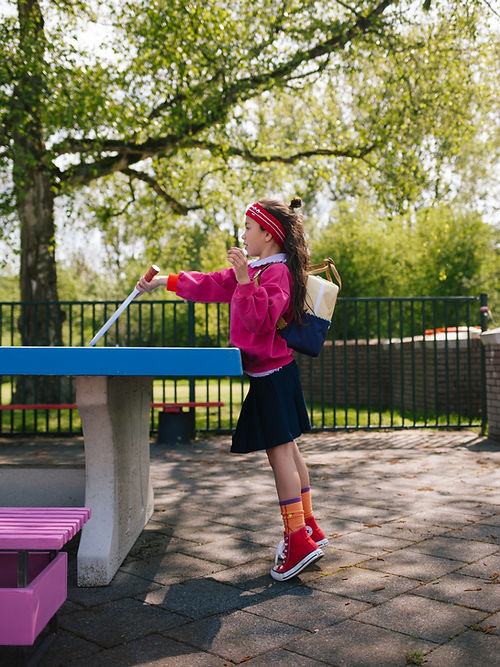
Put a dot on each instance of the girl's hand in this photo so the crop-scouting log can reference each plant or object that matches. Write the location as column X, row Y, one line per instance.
column 239, row 260
column 144, row 286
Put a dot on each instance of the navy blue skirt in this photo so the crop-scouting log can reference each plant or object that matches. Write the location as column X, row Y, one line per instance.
column 273, row 413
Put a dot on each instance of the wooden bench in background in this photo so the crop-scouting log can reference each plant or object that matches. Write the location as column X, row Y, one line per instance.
column 174, row 424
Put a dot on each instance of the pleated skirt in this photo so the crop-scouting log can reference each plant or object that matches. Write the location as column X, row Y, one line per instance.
column 273, row 413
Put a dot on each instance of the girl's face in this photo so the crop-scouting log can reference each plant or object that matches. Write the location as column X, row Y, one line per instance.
column 254, row 238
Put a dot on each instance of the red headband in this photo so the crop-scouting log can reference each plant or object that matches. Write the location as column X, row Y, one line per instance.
column 268, row 222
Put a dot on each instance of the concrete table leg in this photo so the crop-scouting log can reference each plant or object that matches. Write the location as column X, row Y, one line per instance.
column 115, row 414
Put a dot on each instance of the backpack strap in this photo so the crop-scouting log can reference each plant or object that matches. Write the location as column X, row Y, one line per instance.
column 328, row 267
column 281, row 323
column 257, row 275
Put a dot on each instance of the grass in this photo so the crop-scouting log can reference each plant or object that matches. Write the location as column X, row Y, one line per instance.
column 415, row 658
column 232, row 394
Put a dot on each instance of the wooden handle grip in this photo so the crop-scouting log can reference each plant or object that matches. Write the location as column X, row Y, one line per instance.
column 152, row 271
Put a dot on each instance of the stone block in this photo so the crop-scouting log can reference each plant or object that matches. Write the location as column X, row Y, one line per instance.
column 419, row 617
column 352, row 643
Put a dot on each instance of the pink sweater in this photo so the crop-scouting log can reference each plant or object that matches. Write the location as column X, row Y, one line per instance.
column 254, row 310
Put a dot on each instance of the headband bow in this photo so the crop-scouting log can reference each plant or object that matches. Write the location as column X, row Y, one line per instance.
column 268, row 222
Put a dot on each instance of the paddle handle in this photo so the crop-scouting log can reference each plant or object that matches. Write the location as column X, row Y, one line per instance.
column 151, row 272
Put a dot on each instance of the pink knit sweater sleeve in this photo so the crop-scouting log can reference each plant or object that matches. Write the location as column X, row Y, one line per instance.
column 216, row 287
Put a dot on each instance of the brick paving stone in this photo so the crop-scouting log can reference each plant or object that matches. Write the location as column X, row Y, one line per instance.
column 154, row 648
column 200, row 532
column 357, row 644
column 335, row 559
column 124, row 585
column 251, row 519
column 430, row 620
column 492, row 624
column 406, row 529
column 485, row 568
column 283, row 658
column 357, row 583
column 201, row 597
column 366, row 543
column 236, row 635
column 412, row 564
column 268, row 537
column 334, row 525
column 366, row 514
column 171, row 568
column 151, row 544
column 254, row 577
column 191, row 517
column 492, row 520
column 229, row 551
column 65, row 648
column 307, row 608
column 482, row 532
column 466, row 591
column 471, row 649
column 448, row 518
column 115, row 622
column 467, row 551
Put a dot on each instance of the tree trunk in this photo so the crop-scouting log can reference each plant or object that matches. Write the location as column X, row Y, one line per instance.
column 40, row 321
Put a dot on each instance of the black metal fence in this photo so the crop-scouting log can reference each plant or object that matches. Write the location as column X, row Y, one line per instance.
column 388, row 362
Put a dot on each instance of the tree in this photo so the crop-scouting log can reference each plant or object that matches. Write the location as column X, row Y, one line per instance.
column 440, row 251
column 174, row 80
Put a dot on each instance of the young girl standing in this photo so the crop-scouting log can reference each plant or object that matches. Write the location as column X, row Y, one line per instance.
column 273, row 413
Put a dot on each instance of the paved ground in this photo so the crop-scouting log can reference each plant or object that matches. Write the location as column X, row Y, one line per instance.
column 411, row 575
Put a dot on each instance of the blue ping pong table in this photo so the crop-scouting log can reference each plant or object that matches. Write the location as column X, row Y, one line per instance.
column 113, row 396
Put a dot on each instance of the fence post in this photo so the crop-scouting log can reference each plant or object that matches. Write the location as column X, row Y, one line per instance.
column 191, row 342
column 483, row 299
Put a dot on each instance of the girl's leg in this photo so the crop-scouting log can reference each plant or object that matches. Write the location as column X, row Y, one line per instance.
column 297, row 549
column 301, row 467
column 286, row 474
column 305, row 490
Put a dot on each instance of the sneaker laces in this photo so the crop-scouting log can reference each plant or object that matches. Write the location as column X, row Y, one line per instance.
column 281, row 551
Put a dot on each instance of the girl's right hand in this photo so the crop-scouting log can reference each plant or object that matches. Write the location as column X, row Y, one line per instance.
column 144, row 286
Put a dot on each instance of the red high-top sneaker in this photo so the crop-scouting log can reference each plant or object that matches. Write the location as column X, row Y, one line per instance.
column 298, row 551
column 315, row 532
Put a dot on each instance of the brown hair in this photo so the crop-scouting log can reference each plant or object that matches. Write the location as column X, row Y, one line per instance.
column 294, row 246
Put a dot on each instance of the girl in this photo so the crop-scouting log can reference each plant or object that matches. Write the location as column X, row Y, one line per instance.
column 274, row 413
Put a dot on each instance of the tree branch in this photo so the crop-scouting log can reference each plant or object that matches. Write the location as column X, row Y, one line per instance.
column 179, row 208
column 253, row 84
column 240, row 91
column 150, row 146
column 355, row 153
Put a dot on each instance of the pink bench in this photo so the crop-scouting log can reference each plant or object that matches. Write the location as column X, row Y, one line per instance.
column 33, row 575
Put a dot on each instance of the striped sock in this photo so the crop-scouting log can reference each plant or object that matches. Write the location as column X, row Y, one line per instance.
column 306, row 502
column 292, row 514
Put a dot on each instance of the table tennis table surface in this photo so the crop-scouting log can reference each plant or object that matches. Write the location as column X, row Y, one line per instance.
column 126, row 361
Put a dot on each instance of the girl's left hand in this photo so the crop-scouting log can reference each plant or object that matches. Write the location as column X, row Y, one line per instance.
column 239, row 260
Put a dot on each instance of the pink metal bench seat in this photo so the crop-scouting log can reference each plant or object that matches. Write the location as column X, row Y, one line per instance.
column 40, row 528
column 33, row 576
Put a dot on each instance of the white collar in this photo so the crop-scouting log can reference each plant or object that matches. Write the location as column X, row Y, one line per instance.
column 272, row 259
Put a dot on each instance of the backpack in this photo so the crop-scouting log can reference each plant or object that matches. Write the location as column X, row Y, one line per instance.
column 319, row 304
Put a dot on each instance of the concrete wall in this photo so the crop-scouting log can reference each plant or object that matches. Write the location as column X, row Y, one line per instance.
column 491, row 342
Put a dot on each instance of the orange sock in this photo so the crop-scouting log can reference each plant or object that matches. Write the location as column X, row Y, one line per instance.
column 293, row 514
column 306, row 502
